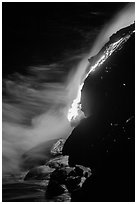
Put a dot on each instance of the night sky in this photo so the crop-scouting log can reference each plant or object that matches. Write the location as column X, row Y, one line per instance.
column 43, row 33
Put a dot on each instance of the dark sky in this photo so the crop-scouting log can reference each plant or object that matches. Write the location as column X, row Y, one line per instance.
column 40, row 33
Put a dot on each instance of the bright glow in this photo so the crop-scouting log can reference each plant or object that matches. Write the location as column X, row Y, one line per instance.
column 75, row 110
column 122, row 19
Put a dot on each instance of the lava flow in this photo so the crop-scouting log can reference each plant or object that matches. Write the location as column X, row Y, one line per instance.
column 115, row 43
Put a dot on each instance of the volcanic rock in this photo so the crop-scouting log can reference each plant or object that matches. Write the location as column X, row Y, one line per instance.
column 107, row 149
column 67, row 179
column 54, row 189
column 44, row 171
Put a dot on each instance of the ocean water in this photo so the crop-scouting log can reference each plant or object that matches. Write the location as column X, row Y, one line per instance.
column 23, row 191
column 15, row 189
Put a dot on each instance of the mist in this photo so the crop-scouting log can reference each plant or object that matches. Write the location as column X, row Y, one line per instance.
column 35, row 107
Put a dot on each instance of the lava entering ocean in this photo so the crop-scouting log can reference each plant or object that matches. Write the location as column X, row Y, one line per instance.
column 33, row 106
column 116, row 42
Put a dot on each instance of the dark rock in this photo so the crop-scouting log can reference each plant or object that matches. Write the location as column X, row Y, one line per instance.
column 53, row 148
column 108, row 150
column 54, row 189
column 83, row 171
column 73, row 183
column 43, row 172
column 70, row 177
column 79, row 171
column 60, row 175
column 77, row 177
column 85, row 140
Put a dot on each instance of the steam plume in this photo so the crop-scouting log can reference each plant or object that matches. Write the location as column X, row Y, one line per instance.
column 35, row 111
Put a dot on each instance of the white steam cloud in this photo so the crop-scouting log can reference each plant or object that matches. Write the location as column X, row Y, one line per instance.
column 35, row 111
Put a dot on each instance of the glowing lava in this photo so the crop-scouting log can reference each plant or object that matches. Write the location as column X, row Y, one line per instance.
column 75, row 112
column 75, row 109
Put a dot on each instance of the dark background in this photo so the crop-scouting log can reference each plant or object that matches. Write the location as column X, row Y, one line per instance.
column 41, row 33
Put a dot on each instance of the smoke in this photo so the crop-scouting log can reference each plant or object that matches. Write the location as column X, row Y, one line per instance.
column 34, row 112
column 35, row 107
column 122, row 19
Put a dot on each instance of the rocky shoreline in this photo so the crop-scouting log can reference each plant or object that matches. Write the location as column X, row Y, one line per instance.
column 61, row 179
